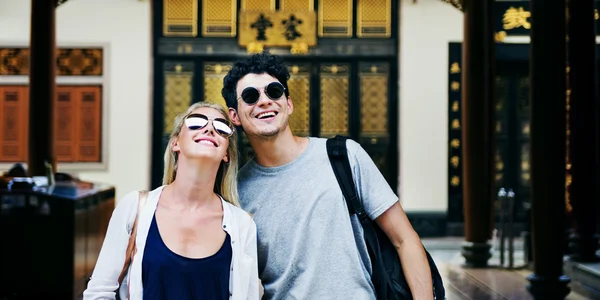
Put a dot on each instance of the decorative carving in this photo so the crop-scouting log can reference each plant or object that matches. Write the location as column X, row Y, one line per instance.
column 334, row 100
column 458, row 4
column 79, row 62
column 180, row 18
column 373, row 97
column 178, row 96
column 335, row 18
column 213, row 82
column 69, row 61
column 257, row 5
column 14, row 61
column 296, row 5
column 374, row 18
column 219, row 18
column 299, row 87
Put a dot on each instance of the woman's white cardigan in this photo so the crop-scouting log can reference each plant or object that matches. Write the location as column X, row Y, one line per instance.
column 243, row 279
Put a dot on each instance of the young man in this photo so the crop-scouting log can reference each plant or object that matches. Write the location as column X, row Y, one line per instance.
column 306, row 243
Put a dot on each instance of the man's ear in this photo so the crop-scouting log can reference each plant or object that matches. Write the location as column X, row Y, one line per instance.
column 235, row 118
column 290, row 105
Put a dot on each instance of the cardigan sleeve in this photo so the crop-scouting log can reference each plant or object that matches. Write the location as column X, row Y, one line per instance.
column 104, row 280
column 251, row 249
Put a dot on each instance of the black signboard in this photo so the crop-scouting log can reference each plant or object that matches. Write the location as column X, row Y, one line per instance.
column 514, row 17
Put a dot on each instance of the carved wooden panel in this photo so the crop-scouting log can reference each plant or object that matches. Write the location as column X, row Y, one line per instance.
column 65, row 130
column 89, row 123
column 335, row 18
column 213, row 82
column 14, row 61
column 334, row 100
column 299, row 88
column 69, row 61
column 219, row 18
column 297, row 5
column 178, row 91
column 374, row 100
column 374, row 18
column 180, row 18
column 79, row 62
column 76, row 122
column 14, row 105
column 257, row 5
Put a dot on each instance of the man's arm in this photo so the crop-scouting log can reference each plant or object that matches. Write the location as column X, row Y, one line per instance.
column 396, row 226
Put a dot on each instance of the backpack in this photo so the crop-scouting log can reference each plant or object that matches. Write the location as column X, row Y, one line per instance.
column 387, row 276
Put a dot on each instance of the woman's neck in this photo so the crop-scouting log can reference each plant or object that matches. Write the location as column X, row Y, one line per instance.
column 193, row 186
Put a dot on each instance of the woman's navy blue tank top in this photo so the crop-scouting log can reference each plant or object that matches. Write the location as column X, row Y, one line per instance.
column 169, row 276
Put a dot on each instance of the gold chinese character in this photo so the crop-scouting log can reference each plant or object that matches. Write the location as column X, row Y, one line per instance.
column 455, row 85
column 596, row 14
column 455, row 181
column 455, row 143
column 455, row 124
column 455, row 106
column 514, row 18
column 454, row 161
column 454, row 68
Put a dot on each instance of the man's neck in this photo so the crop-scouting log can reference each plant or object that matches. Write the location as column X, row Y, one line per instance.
column 278, row 150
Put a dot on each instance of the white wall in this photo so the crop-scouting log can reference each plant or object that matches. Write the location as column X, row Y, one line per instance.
column 125, row 26
column 426, row 27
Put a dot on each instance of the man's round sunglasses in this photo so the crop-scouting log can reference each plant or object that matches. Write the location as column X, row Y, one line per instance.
column 199, row 121
column 273, row 90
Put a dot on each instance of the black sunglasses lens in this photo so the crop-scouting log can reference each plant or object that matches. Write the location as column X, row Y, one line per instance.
column 274, row 90
column 250, row 95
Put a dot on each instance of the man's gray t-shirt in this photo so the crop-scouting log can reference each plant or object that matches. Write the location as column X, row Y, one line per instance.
column 306, row 245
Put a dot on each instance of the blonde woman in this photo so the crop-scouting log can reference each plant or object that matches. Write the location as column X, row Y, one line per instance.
column 192, row 240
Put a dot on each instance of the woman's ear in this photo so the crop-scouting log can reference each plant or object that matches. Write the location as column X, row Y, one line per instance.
column 226, row 158
column 175, row 145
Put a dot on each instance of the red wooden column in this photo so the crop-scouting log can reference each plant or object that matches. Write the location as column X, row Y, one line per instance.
column 548, row 149
column 583, row 119
column 42, row 74
column 477, row 94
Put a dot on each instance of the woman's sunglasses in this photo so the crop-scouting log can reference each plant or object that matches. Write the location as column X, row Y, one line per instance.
column 273, row 90
column 199, row 121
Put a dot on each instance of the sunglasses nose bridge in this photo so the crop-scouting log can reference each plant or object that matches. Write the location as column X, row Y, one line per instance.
column 263, row 97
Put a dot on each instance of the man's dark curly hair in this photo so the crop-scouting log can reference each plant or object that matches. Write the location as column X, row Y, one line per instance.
column 256, row 64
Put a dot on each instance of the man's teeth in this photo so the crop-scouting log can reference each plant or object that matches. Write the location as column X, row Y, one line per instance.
column 266, row 115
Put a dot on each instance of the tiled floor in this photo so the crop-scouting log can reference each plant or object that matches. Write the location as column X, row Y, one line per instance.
column 480, row 284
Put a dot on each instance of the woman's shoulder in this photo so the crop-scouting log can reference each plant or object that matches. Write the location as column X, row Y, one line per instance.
column 129, row 202
column 241, row 215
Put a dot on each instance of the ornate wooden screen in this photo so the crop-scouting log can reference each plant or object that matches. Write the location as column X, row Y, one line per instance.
column 77, row 123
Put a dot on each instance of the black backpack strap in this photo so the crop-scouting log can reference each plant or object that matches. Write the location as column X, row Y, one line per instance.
column 338, row 156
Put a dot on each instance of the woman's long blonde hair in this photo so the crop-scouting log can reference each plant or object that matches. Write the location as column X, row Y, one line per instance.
column 226, row 181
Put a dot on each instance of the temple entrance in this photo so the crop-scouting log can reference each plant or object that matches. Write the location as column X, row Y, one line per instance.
column 344, row 85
